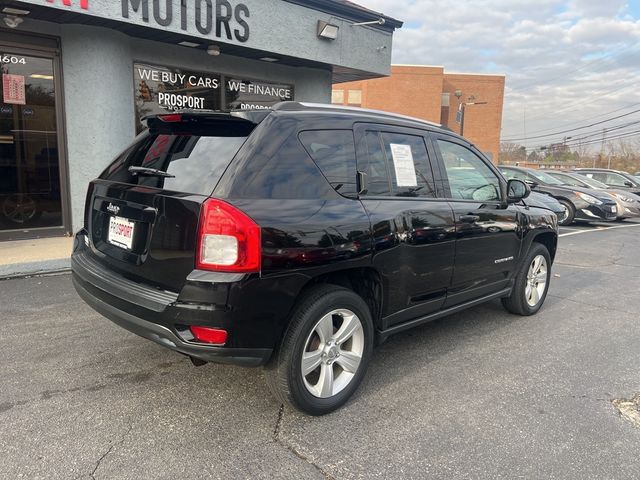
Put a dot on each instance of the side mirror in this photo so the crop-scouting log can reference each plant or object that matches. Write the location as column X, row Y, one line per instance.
column 517, row 190
column 628, row 184
column 531, row 183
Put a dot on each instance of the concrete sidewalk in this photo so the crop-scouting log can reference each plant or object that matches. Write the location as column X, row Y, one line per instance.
column 32, row 257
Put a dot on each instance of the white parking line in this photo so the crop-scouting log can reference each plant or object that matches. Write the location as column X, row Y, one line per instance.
column 598, row 229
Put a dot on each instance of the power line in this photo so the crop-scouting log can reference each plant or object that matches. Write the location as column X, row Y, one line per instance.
column 574, row 129
column 587, row 135
column 589, row 118
column 618, row 136
column 608, row 129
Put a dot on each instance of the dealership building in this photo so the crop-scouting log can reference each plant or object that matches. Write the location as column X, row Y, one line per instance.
column 79, row 75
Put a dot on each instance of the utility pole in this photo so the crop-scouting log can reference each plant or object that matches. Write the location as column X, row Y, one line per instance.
column 604, row 131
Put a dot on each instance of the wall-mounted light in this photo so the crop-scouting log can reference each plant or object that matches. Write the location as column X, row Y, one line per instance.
column 327, row 30
column 12, row 21
column 270, row 59
column 14, row 16
column 213, row 50
column 15, row 11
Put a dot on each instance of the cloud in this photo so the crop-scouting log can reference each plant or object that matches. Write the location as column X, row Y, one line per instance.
column 565, row 60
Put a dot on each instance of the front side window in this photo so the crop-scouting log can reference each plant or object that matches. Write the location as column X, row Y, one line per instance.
column 615, row 180
column 470, row 178
column 398, row 165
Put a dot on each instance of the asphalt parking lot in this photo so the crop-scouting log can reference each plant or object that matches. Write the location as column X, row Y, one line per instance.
column 482, row 394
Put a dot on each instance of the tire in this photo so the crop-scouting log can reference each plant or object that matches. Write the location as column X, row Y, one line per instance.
column 322, row 309
column 522, row 300
column 571, row 213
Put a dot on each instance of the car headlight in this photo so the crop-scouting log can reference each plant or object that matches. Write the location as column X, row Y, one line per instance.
column 588, row 198
column 622, row 197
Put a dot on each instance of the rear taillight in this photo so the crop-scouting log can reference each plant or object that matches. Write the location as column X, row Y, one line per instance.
column 228, row 240
column 213, row 336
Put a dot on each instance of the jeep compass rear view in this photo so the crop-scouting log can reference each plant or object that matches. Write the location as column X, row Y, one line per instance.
column 297, row 238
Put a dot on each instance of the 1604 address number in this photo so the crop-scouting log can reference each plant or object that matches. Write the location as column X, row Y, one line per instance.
column 12, row 59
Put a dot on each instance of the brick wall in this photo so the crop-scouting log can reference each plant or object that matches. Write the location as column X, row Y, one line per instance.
column 418, row 91
column 482, row 122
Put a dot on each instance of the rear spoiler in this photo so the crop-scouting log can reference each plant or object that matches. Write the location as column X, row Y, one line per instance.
column 202, row 122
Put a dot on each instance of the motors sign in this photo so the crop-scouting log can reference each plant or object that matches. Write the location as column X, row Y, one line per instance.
column 226, row 20
column 219, row 17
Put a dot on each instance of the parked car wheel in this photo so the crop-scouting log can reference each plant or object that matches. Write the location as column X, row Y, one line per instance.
column 531, row 284
column 324, row 353
column 570, row 213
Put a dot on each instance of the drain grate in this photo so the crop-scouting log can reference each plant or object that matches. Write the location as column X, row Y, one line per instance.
column 629, row 409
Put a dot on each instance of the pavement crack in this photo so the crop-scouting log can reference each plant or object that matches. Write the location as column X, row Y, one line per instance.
column 295, row 450
column 109, row 450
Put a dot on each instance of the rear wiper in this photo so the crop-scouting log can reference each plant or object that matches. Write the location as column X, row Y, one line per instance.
column 152, row 172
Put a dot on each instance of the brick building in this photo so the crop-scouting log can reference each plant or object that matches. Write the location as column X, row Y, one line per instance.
column 429, row 93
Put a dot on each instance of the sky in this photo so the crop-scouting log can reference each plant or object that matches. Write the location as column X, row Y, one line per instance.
column 568, row 63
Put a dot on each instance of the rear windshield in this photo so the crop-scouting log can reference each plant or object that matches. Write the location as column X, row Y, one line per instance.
column 193, row 163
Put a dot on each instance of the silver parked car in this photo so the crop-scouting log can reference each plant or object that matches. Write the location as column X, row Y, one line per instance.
column 628, row 203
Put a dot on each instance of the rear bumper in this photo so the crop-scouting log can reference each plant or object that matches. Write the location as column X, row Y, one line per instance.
column 126, row 303
column 165, row 337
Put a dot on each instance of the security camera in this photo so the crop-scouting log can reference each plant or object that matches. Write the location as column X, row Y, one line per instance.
column 12, row 21
column 382, row 21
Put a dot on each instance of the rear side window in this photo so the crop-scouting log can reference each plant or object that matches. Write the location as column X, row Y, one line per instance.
column 397, row 165
column 334, row 153
column 192, row 163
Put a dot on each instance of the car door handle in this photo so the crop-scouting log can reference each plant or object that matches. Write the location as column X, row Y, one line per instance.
column 469, row 218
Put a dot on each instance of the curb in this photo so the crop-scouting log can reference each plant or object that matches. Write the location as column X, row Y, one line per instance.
column 22, row 270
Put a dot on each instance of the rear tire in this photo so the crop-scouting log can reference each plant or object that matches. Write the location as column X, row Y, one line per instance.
column 531, row 283
column 330, row 337
column 570, row 213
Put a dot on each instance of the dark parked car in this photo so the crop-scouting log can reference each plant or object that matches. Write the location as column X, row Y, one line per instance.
column 613, row 178
column 544, row 200
column 296, row 238
column 583, row 204
column 628, row 203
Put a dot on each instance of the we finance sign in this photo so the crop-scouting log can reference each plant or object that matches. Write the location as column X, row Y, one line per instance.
column 226, row 20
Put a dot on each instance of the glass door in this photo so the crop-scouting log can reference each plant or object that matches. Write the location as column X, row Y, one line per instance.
column 30, row 156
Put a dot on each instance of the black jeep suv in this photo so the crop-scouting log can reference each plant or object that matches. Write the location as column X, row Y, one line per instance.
column 295, row 238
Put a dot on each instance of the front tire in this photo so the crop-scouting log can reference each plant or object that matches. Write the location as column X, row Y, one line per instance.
column 569, row 215
column 531, row 283
column 325, row 351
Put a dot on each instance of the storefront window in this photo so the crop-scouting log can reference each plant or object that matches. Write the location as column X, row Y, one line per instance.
column 160, row 89
column 29, row 159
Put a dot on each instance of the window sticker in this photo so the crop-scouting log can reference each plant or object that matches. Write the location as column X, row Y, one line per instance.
column 404, row 166
column 13, row 89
